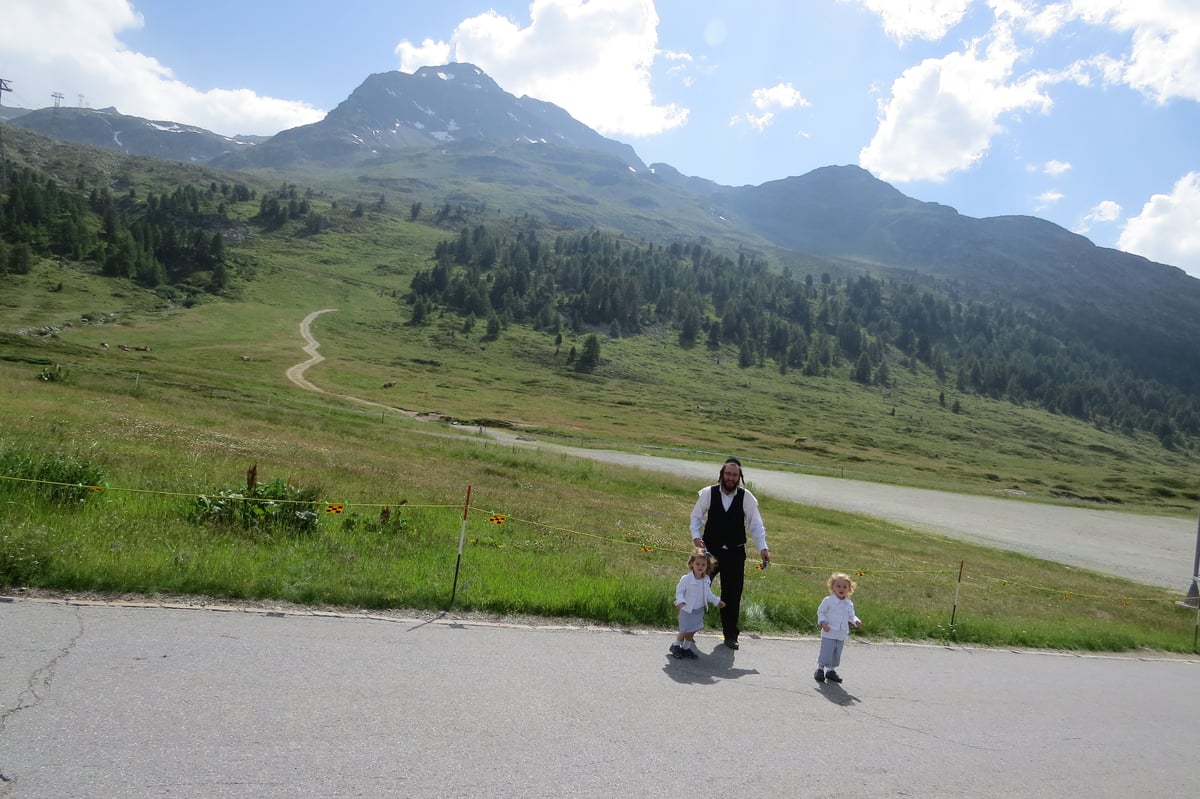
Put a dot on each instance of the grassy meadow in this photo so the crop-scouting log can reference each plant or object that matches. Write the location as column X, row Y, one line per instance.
column 201, row 395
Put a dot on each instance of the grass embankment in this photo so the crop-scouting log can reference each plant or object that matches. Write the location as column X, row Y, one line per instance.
column 208, row 398
column 579, row 540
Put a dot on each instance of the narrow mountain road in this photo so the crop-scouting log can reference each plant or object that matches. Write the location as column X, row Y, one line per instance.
column 1152, row 550
column 152, row 702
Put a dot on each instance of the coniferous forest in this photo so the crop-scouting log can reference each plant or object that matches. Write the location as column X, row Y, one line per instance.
column 811, row 325
column 156, row 241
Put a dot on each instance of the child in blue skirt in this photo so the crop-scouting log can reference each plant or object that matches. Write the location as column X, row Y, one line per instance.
column 693, row 595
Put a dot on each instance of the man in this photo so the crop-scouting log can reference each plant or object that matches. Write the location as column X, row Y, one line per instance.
column 720, row 519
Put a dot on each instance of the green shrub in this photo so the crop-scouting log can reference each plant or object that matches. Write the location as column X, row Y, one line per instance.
column 271, row 507
column 57, row 478
column 53, row 374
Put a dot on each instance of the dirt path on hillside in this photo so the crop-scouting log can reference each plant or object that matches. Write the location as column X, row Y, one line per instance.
column 1153, row 550
column 311, row 345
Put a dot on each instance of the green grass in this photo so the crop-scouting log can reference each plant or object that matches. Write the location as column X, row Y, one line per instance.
column 580, row 540
column 209, row 398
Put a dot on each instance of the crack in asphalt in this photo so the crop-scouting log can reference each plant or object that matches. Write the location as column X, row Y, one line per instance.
column 34, row 693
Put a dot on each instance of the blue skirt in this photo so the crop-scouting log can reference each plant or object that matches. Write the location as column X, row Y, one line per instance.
column 691, row 621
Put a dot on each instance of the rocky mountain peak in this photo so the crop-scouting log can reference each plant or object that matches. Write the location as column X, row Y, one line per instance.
column 430, row 108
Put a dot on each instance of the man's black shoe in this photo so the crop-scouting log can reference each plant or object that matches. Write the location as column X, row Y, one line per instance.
column 731, row 644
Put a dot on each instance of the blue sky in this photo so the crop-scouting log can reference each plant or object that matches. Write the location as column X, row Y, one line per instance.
column 1082, row 112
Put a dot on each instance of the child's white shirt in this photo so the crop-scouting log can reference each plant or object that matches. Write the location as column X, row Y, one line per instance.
column 695, row 594
column 839, row 614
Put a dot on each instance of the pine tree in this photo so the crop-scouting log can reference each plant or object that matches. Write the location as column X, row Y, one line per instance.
column 590, row 358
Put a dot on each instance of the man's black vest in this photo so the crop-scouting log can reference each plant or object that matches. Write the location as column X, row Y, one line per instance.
column 725, row 528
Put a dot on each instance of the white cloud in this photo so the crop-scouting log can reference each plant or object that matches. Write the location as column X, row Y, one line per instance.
column 1168, row 228
column 781, row 95
column 74, row 47
column 1051, row 168
column 591, row 58
column 1047, row 199
column 1105, row 212
column 1163, row 61
column 760, row 122
column 1044, row 22
column 912, row 19
column 944, row 112
column 427, row 53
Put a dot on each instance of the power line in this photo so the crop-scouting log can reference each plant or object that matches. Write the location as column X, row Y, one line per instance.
column 4, row 87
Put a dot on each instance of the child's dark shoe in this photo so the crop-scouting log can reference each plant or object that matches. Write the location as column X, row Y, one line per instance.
column 819, row 675
column 833, row 676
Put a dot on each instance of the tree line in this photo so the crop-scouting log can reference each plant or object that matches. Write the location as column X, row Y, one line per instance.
column 165, row 238
column 862, row 327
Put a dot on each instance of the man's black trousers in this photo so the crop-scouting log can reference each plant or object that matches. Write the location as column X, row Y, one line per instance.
column 731, row 565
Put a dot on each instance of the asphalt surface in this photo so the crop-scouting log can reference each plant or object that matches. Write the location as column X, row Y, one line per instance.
column 134, row 703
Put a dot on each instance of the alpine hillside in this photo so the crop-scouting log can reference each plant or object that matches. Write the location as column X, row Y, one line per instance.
column 1011, row 307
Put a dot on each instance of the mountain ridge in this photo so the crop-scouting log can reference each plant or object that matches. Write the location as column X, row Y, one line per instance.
column 112, row 130
column 426, row 109
column 441, row 105
column 451, row 134
column 458, row 102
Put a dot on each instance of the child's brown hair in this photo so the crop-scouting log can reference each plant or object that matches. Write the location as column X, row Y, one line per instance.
column 700, row 552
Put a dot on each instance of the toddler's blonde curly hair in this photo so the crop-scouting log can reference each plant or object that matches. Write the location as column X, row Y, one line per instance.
column 840, row 576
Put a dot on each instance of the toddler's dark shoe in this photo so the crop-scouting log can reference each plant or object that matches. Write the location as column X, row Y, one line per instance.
column 833, row 676
column 677, row 651
column 819, row 675
column 691, row 653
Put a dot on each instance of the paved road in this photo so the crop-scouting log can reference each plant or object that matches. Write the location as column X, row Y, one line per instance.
column 141, row 703
column 1153, row 550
